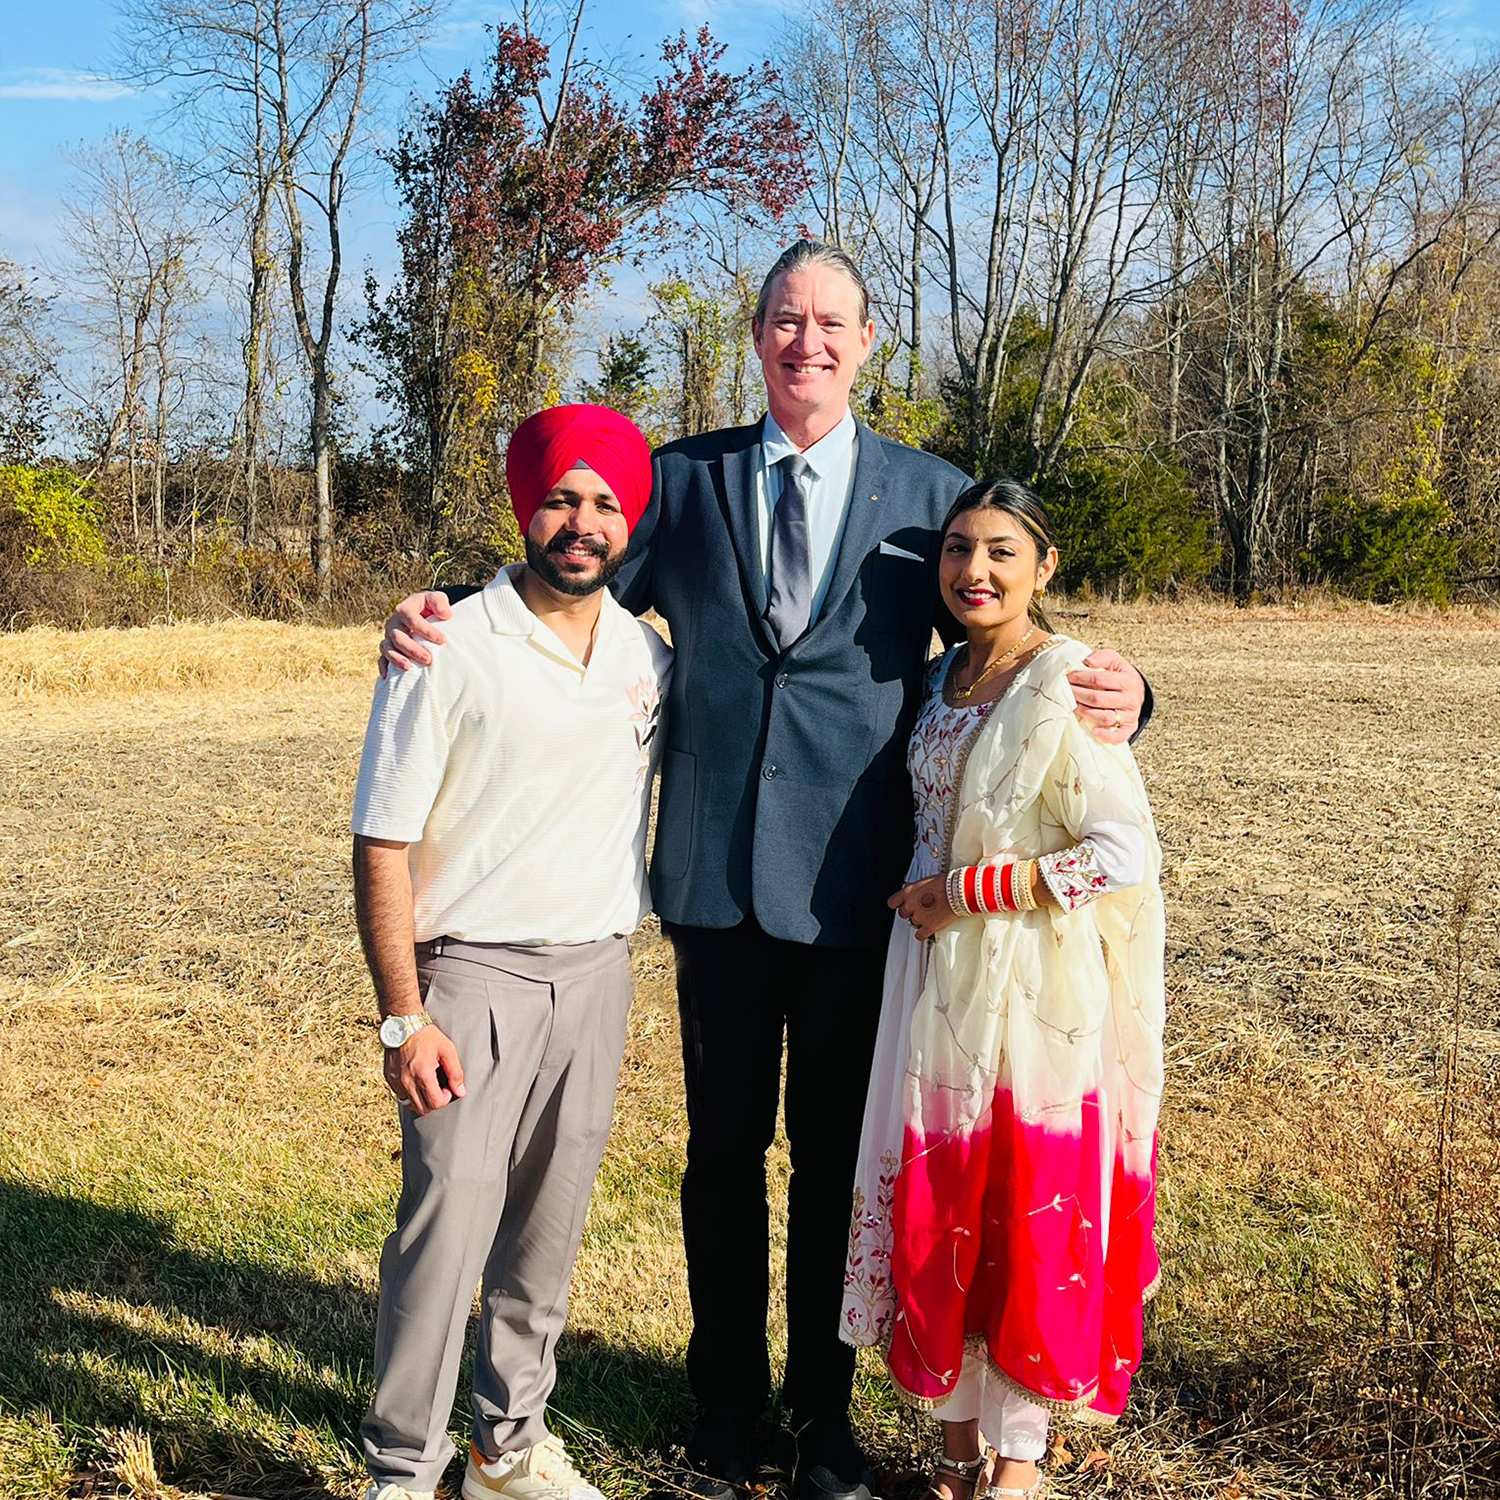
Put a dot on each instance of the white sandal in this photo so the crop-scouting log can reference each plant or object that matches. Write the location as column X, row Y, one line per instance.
column 964, row 1470
column 1036, row 1490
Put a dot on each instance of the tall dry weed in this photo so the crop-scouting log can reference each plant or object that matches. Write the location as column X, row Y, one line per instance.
column 1414, row 1370
column 134, row 1463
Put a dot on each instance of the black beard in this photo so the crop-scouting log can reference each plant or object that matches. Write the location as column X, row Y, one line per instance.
column 539, row 560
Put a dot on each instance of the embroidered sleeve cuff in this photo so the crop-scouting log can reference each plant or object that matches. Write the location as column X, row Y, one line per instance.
column 1073, row 875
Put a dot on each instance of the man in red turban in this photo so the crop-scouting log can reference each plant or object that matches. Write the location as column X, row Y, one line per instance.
column 579, row 479
column 499, row 860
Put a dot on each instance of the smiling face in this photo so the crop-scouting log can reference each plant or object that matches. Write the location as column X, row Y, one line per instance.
column 578, row 536
column 990, row 568
column 811, row 344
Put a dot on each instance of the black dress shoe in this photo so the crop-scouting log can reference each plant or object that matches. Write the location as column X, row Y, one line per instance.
column 819, row 1482
column 719, row 1455
column 829, row 1463
column 710, row 1487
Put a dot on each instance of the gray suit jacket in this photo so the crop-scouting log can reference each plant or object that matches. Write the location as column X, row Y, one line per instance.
column 784, row 789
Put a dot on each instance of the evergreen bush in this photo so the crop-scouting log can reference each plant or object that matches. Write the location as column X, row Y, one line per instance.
column 1127, row 527
column 1389, row 548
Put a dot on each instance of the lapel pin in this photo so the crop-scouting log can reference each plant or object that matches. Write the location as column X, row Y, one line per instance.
column 874, row 497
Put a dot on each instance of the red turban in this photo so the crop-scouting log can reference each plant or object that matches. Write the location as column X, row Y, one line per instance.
column 544, row 447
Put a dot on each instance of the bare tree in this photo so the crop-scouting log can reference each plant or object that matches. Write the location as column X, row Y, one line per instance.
column 1105, row 180
column 291, row 82
column 1005, row 159
column 27, row 365
column 131, row 234
column 1338, row 159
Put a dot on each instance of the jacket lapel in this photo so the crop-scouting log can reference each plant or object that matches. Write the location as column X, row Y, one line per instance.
column 738, row 468
column 862, row 524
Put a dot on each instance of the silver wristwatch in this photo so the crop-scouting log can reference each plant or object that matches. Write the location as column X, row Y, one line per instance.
column 395, row 1030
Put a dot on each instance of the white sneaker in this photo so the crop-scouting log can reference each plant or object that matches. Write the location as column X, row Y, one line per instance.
column 541, row 1472
column 378, row 1491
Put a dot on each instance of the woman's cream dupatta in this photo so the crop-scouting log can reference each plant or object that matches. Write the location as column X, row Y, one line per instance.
column 1023, row 1209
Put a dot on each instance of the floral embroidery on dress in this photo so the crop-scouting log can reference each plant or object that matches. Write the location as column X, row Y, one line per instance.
column 868, row 1304
column 1073, row 875
column 932, row 759
column 644, row 697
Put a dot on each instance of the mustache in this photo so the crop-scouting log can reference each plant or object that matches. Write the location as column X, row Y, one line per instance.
column 593, row 545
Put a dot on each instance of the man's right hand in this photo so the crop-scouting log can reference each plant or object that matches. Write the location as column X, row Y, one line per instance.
column 424, row 1071
column 408, row 627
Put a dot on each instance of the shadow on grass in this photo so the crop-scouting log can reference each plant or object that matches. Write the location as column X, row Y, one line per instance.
column 246, row 1376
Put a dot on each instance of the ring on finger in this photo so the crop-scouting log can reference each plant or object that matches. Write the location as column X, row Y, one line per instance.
column 1119, row 720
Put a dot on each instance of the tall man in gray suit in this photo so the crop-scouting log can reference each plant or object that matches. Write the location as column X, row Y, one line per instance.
column 795, row 561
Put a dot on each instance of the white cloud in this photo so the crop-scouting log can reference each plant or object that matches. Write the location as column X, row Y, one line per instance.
column 457, row 35
column 67, row 84
column 722, row 13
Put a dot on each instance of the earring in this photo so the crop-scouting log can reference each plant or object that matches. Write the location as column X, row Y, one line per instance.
column 1041, row 593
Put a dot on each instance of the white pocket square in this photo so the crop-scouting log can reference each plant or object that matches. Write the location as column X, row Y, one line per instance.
column 890, row 549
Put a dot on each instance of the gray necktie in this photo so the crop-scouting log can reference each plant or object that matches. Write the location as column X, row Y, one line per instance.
column 790, row 607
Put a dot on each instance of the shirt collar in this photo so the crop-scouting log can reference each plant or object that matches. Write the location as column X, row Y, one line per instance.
column 822, row 458
column 509, row 614
column 505, row 606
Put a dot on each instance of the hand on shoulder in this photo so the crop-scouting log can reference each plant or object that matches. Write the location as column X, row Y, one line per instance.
column 1111, row 694
column 409, row 626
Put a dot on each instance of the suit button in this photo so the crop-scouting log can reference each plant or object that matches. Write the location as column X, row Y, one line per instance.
column 769, row 773
column 782, row 679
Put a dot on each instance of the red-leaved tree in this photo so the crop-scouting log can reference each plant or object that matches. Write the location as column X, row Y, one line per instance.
column 516, row 193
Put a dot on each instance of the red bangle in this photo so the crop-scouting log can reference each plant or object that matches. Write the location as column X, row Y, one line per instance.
column 971, row 888
column 1008, row 887
column 987, row 896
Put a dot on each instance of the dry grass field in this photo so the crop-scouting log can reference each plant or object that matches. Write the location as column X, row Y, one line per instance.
column 196, row 1159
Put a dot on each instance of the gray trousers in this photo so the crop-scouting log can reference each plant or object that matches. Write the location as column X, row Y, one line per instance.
column 494, row 1189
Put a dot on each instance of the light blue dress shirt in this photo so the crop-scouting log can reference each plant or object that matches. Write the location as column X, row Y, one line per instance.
column 831, row 460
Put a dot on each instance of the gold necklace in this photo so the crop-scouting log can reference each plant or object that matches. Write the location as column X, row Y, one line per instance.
column 962, row 695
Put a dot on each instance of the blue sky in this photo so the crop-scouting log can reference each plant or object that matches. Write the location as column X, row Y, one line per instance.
column 56, row 92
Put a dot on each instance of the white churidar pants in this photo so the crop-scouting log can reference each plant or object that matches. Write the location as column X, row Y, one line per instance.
column 1013, row 1426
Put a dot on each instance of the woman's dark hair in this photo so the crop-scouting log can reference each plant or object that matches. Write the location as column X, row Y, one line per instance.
column 1015, row 499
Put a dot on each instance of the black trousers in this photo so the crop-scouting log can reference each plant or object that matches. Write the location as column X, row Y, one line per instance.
column 739, row 991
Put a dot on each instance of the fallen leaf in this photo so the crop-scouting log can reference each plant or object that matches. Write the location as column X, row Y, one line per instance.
column 1097, row 1459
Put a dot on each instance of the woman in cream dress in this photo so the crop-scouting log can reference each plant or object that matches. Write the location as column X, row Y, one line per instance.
column 1001, row 1242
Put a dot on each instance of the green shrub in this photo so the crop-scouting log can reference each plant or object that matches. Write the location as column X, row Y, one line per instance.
column 50, row 519
column 1390, row 548
column 1127, row 526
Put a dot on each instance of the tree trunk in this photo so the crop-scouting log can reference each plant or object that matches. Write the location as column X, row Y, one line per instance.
column 135, row 488
column 259, row 294
column 914, row 352
column 1176, row 321
column 159, row 465
column 437, row 497
column 322, row 463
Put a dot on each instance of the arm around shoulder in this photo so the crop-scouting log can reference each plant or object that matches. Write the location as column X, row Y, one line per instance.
column 634, row 586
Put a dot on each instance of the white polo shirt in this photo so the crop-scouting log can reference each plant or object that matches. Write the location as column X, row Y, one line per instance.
column 520, row 778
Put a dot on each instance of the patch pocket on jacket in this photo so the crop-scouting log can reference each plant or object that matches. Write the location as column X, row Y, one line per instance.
column 676, row 815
